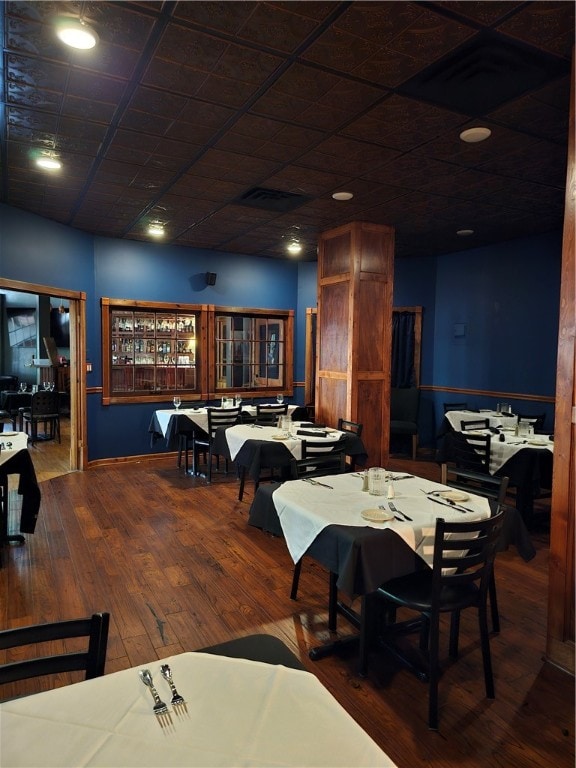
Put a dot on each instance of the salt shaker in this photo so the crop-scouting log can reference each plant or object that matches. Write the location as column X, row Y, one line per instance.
column 390, row 493
column 365, row 486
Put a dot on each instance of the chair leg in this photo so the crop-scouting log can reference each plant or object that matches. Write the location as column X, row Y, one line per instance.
column 433, row 672
column 242, row 482
column 295, row 579
column 494, row 603
column 454, row 634
column 414, row 447
column 486, row 658
column 332, row 601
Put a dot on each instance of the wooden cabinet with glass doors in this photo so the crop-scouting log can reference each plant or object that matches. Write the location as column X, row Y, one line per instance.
column 153, row 350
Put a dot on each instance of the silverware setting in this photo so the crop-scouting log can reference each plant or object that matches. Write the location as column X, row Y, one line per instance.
column 160, row 709
column 177, row 701
column 400, row 519
column 316, row 482
column 396, row 510
column 450, row 504
column 401, row 477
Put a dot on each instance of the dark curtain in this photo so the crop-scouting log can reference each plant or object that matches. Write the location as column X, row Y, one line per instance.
column 403, row 349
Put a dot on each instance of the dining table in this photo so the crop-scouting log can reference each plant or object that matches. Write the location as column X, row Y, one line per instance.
column 237, row 712
column 15, row 460
column 527, row 460
column 169, row 422
column 255, row 448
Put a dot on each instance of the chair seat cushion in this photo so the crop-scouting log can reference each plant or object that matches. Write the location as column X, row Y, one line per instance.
column 414, row 591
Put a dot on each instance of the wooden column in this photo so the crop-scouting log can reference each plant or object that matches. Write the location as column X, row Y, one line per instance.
column 354, row 332
column 560, row 642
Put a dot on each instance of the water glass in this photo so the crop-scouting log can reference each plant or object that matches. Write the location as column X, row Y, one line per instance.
column 279, row 399
column 177, row 402
column 238, row 401
column 376, row 481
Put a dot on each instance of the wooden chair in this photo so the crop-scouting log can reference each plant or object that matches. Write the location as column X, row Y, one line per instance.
column 356, row 429
column 467, row 424
column 404, row 405
column 490, row 487
column 267, row 415
column 186, row 436
column 43, row 409
column 91, row 660
column 536, row 419
column 333, row 463
column 217, row 418
column 458, row 579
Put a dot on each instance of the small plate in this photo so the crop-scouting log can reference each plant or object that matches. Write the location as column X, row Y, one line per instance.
column 377, row 515
column 530, row 442
column 279, row 437
column 8, row 434
column 454, row 495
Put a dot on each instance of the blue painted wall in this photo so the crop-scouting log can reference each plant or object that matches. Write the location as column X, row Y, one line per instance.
column 490, row 315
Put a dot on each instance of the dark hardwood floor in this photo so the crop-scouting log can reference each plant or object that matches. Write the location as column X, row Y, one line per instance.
column 177, row 566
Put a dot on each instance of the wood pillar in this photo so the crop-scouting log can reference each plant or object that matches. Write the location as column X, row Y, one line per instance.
column 354, row 331
column 560, row 641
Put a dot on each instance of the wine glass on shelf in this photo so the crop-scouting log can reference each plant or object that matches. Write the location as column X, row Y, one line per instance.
column 279, row 399
column 177, row 402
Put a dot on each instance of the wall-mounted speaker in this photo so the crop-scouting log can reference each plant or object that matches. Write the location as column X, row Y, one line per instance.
column 210, row 278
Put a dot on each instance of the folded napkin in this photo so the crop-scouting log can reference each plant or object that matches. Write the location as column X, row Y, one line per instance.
column 311, row 434
column 312, row 424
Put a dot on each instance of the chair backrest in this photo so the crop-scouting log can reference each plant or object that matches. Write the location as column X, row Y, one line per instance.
column 471, row 452
column 222, row 417
column 463, row 557
column 480, row 483
column 537, row 420
column 350, row 426
column 327, row 464
column 267, row 415
column 322, row 448
column 455, row 407
column 44, row 403
column 404, row 403
column 474, row 424
column 92, row 660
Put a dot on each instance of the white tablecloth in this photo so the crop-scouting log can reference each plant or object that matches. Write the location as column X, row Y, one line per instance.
column 18, row 440
column 236, row 437
column 199, row 416
column 305, row 510
column 240, row 713
column 454, row 418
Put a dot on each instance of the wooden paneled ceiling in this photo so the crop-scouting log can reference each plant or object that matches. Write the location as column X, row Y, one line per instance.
column 233, row 123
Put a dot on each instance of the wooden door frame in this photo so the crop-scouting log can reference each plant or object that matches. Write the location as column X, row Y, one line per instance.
column 77, row 300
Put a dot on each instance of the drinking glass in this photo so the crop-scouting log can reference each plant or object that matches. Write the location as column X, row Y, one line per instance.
column 238, row 400
column 177, row 402
column 376, row 481
column 23, row 386
column 46, row 385
column 279, row 399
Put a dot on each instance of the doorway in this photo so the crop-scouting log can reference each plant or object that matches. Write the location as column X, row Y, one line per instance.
column 76, row 442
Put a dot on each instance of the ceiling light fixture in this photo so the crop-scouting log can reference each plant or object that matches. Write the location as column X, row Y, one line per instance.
column 294, row 248
column 342, row 195
column 48, row 162
column 465, row 232
column 474, row 135
column 76, row 33
column 156, row 229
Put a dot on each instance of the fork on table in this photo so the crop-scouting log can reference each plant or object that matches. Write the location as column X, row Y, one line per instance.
column 160, row 709
column 178, row 702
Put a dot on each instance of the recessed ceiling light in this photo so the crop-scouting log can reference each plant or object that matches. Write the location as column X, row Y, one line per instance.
column 342, row 195
column 294, row 248
column 465, row 232
column 474, row 135
column 76, row 34
column 156, row 229
column 48, row 163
